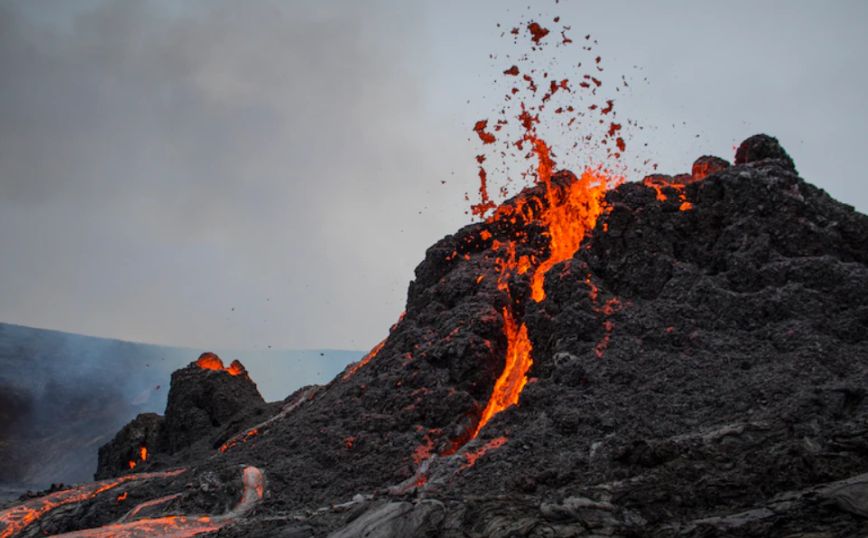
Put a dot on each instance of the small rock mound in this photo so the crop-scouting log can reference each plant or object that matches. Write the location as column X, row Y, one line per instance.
column 203, row 399
column 760, row 147
column 707, row 165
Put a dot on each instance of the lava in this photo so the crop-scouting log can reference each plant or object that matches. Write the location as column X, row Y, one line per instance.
column 14, row 520
column 210, row 361
column 147, row 504
column 239, row 439
column 537, row 32
column 258, row 429
column 181, row 526
column 353, row 368
column 471, row 457
column 508, row 386
column 567, row 221
column 660, row 183
column 567, row 212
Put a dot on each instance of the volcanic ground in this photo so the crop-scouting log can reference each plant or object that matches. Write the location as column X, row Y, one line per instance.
column 681, row 356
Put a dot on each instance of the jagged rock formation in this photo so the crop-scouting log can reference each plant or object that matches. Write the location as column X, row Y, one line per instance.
column 699, row 367
column 203, row 399
column 207, row 403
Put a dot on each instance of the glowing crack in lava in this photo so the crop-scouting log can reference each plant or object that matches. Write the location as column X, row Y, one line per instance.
column 353, row 368
column 509, row 385
column 14, row 520
column 182, row 526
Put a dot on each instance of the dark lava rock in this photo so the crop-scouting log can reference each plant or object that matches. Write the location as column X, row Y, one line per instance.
column 760, row 147
column 203, row 400
column 131, row 447
column 699, row 369
column 707, row 165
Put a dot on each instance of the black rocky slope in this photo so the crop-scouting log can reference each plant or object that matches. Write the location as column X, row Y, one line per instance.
column 698, row 370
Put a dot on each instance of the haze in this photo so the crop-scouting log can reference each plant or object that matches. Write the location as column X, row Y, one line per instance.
column 246, row 175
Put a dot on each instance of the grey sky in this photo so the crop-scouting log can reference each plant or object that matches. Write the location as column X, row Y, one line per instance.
column 246, row 174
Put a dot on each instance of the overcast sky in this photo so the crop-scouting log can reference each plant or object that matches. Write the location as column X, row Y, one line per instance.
column 253, row 174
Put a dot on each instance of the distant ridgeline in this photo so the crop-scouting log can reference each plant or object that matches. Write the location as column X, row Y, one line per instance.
column 64, row 395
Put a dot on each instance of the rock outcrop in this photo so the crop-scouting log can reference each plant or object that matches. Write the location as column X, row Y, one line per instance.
column 207, row 403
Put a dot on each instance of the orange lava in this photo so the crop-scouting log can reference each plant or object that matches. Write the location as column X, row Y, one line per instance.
column 14, row 520
column 166, row 527
column 508, row 386
column 181, row 526
column 659, row 183
column 243, row 438
column 568, row 220
column 210, row 361
column 570, row 212
column 365, row 360
column 147, row 504
column 143, row 453
column 471, row 457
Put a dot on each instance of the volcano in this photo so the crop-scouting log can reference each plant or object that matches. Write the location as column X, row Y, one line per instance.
column 680, row 356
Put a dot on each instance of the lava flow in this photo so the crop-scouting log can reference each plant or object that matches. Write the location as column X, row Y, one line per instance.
column 182, row 526
column 15, row 519
column 568, row 211
column 568, row 214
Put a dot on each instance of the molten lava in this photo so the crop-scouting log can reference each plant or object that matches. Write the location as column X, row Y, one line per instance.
column 353, row 368
column 471, row 457
column 567, row 221
column 508, row 386
column 14, row 520
column 181, row 526
column 568, row 215
column 566, row 211
column 253, row 432
column 210, row 361
column 660, row 183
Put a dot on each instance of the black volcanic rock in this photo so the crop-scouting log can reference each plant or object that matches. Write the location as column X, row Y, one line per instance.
column 699, row 369
column 760, row 147
column 124, row 452
column 707, row 165
column 207, row 404
column 202, row 401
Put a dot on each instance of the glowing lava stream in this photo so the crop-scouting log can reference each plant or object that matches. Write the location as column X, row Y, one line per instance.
column 182, row 526
column 15, row 519
column 570, row 213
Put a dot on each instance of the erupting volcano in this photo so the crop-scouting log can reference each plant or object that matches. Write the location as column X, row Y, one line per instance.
column 682, row 355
